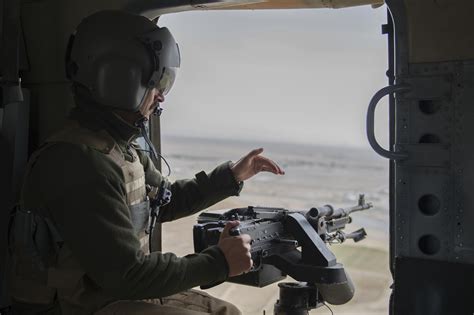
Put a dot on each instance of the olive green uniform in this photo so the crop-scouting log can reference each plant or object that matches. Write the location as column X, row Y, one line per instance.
column 85, row 182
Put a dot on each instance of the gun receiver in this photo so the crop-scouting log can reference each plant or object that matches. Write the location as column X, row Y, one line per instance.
column 289, row 242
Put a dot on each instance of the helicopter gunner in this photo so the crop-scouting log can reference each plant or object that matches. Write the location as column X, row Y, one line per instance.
column 76, row 235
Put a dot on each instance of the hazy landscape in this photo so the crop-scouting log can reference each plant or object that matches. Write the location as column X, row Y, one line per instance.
column 315, row 175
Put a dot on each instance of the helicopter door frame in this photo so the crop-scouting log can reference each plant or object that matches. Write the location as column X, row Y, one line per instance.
column 431, row 151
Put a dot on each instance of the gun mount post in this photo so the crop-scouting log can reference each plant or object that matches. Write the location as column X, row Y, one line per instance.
column 313, row 249
column 297, row 298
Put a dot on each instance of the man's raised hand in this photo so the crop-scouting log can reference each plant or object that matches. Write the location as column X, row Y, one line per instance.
column 252, row 164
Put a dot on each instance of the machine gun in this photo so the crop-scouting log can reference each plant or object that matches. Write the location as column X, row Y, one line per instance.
column 290, row 242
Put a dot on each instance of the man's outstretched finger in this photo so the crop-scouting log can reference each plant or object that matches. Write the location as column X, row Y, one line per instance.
column 267, row 168
column 270, row 165
column 279, row 170
column 282, row 172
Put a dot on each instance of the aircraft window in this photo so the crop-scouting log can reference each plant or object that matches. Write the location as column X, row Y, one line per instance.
column 298, row 84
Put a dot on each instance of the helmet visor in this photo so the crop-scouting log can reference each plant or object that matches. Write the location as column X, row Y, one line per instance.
column 167, row 80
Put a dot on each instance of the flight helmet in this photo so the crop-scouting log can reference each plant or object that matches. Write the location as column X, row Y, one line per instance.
column 117, row 57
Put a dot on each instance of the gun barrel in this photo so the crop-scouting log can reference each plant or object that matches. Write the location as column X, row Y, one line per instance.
column 318, row 212
column 330, row 213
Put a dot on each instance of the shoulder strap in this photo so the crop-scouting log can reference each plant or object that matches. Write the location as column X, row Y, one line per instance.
column 74, row 133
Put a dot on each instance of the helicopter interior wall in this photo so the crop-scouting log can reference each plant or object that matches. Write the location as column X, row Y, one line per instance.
column 434, row 126
column 438, row 30
column 439, row 293
column 5, row 201
column 434, row 245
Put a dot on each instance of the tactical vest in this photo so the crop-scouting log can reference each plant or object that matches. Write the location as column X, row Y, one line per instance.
column 45, row 269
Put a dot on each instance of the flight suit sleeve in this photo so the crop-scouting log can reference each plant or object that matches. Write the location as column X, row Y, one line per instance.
column 87, row 204
column 192, row 195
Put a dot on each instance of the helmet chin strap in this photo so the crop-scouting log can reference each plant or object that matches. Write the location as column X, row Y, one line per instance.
column 141, row 123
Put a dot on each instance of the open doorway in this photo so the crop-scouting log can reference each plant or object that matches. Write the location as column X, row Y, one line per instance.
column 296, row 83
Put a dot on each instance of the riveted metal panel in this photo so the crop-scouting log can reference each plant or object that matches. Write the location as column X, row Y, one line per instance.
column 434, row 126
column 425, row 119
column 463, row 172
column 416, row 218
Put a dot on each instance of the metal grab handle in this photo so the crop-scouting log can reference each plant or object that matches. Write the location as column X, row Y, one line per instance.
column 370, row 121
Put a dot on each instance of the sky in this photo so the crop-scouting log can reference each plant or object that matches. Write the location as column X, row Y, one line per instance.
column 303, row 76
